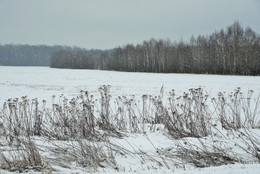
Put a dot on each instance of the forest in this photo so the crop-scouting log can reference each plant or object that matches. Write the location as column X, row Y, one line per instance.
column 234, row 50
column 35, row 55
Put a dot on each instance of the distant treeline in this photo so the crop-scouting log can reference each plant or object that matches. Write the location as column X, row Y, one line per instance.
column 35, row 55
column 234, row 50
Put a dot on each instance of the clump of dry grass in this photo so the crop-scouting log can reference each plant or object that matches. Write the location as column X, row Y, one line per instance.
column 24, row 156
column 81, row 117
column 205, row 159
column 87, row 123
column 187, row 115
column 236, row 111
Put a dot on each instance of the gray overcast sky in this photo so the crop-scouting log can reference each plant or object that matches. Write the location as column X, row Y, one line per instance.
column 110, row 23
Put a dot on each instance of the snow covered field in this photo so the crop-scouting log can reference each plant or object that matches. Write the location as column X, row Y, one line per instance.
column 43, row 82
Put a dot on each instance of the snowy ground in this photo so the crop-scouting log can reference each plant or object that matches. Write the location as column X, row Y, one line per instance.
column 131, row 163
column 43, row 82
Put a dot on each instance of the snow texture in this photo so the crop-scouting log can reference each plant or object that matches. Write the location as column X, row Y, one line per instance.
column 43, row 82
